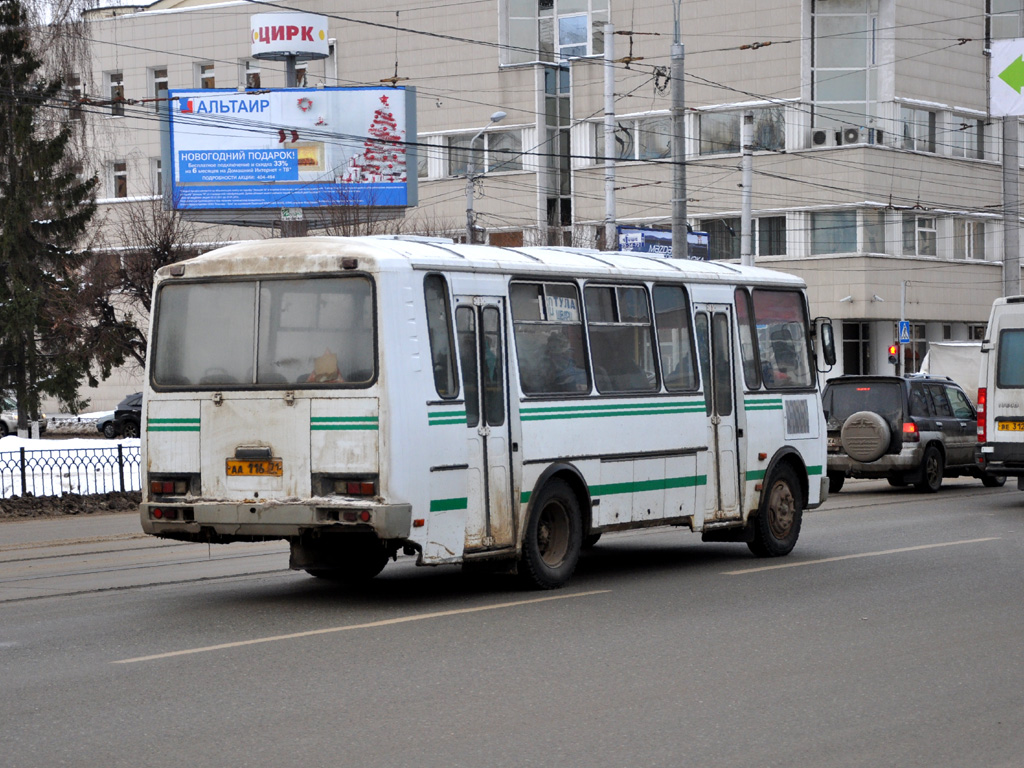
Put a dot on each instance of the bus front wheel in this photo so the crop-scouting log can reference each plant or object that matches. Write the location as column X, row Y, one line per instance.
column 777, row 525
column 553, row 537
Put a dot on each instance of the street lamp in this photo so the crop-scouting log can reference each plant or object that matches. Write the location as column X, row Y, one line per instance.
column 496, row 117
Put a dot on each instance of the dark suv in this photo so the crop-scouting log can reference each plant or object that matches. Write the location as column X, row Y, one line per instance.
column 128, row 416
column 913, row 429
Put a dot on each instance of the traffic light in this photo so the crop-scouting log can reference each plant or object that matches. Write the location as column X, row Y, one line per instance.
column 894, row 353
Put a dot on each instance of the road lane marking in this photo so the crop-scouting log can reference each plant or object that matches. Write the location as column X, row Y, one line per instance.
column 367, row 625
column 853, row 557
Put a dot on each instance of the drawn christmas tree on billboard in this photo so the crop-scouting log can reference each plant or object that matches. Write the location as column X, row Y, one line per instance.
column 383, row 157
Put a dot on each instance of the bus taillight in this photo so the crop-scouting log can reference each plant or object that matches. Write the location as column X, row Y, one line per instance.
column 982, row 414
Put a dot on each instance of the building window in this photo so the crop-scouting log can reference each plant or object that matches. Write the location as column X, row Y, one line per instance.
column 1005, row 19
column 771, row 236
column 498, row 151
column 874, row 230
column 156, row 164
column 833, row 232
column 856, row 348
column 918, row 129
column 120, row 179
column 160, row 87
column 551, row 30
column 207, row 76
column 643, row 138
column 947, row 332
column 720, row 131
column 967, row 138
column 968, row 239
column 300, row 74
column 976, row 332
column 920, row 237
column 250, row 73
column 843, row 75
column 723, row 238
column 74, row 86
column 115, row 82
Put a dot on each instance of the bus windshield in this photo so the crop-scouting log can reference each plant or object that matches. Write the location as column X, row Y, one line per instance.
column 265, row 333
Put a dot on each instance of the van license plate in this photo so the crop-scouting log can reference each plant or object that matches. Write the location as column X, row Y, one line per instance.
column 251, row 468
column 1010, row 426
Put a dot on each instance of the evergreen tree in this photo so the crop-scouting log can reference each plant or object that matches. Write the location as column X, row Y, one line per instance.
column 48, row 339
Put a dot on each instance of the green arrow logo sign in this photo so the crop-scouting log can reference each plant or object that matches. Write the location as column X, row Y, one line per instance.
column 1013, row 75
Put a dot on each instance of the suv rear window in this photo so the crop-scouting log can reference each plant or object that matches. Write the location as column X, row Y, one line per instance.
column 842, row 400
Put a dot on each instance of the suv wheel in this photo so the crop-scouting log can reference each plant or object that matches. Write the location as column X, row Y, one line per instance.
column 993, row 481
column 835, row 481
column 931, row 471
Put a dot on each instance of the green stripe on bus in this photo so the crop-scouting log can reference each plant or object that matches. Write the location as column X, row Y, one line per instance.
column 325, row 423
column 447, row 505
column 594, row 412
column 172, row 425
column 446, row 417
column 758, row 474
column 612, row 489
column 658, row 484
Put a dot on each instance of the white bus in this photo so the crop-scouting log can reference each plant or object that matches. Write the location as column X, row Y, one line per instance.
column 1000, row 449
column 361, row 397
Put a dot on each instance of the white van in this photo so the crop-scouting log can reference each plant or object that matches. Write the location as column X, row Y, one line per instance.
column 1001, row 392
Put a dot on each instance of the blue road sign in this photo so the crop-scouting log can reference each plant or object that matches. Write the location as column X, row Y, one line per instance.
column 904, row 331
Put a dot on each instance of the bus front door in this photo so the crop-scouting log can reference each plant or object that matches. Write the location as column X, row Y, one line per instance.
column 714, row 336
column 481, row 339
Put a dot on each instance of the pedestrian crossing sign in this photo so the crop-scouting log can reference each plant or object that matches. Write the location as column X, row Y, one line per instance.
column 904, row 331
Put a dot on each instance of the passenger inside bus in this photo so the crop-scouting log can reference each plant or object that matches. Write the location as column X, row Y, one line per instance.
column 564, row 374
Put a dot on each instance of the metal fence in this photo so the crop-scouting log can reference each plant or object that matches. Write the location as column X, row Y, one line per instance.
column 69, row 470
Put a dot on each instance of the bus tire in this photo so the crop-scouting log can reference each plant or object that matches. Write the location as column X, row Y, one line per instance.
column 777, row 525
column 590, row 540
column 553, row 537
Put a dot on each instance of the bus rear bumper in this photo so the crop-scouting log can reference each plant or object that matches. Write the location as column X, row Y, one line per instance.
column 224, row 522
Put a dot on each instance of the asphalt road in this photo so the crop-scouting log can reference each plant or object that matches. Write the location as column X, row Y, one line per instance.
column 892, row 636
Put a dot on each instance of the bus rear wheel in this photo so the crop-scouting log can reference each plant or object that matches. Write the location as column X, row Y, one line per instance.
column 777, row 525
column 553, row 537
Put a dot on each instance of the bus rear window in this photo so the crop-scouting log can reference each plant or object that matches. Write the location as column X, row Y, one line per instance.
column 310, row 332
column 1010, row 370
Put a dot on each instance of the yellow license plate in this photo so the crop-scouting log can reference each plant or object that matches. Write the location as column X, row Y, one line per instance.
column 255, row 468
column 1010, row 426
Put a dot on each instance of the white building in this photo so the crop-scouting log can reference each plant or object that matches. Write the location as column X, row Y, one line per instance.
column 876, row 171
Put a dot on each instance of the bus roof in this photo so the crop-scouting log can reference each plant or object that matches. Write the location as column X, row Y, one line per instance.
column 322, row 254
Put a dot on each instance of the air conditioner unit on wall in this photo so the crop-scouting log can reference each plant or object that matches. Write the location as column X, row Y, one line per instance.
column 824, row 137
column 850, row 135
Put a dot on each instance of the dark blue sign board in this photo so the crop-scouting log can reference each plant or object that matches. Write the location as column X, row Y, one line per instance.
column 659, row 242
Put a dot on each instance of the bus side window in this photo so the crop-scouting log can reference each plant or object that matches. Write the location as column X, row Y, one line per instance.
column 675, row 340
column 548, row 327
column 748, row 347
column 465, row 321
column 619, row 323
column 439, row 331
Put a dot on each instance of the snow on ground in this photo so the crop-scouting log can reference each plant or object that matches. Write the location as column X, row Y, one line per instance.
column 55, row 466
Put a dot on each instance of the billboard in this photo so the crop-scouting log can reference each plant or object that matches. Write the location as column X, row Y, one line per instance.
column 659, row 241
column 292, row 148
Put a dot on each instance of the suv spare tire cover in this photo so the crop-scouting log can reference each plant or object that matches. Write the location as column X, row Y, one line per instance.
column 865, row 436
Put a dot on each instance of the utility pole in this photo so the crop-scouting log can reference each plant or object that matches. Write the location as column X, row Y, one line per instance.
column 292, row 227
column 610, row 240
column 1011, row 206
column 746, row 194
column 680, row 247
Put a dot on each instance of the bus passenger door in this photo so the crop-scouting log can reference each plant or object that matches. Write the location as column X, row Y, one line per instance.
column 481, row 339
column 714, row 345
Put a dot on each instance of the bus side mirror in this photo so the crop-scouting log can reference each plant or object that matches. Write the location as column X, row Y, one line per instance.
column 826, row 340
